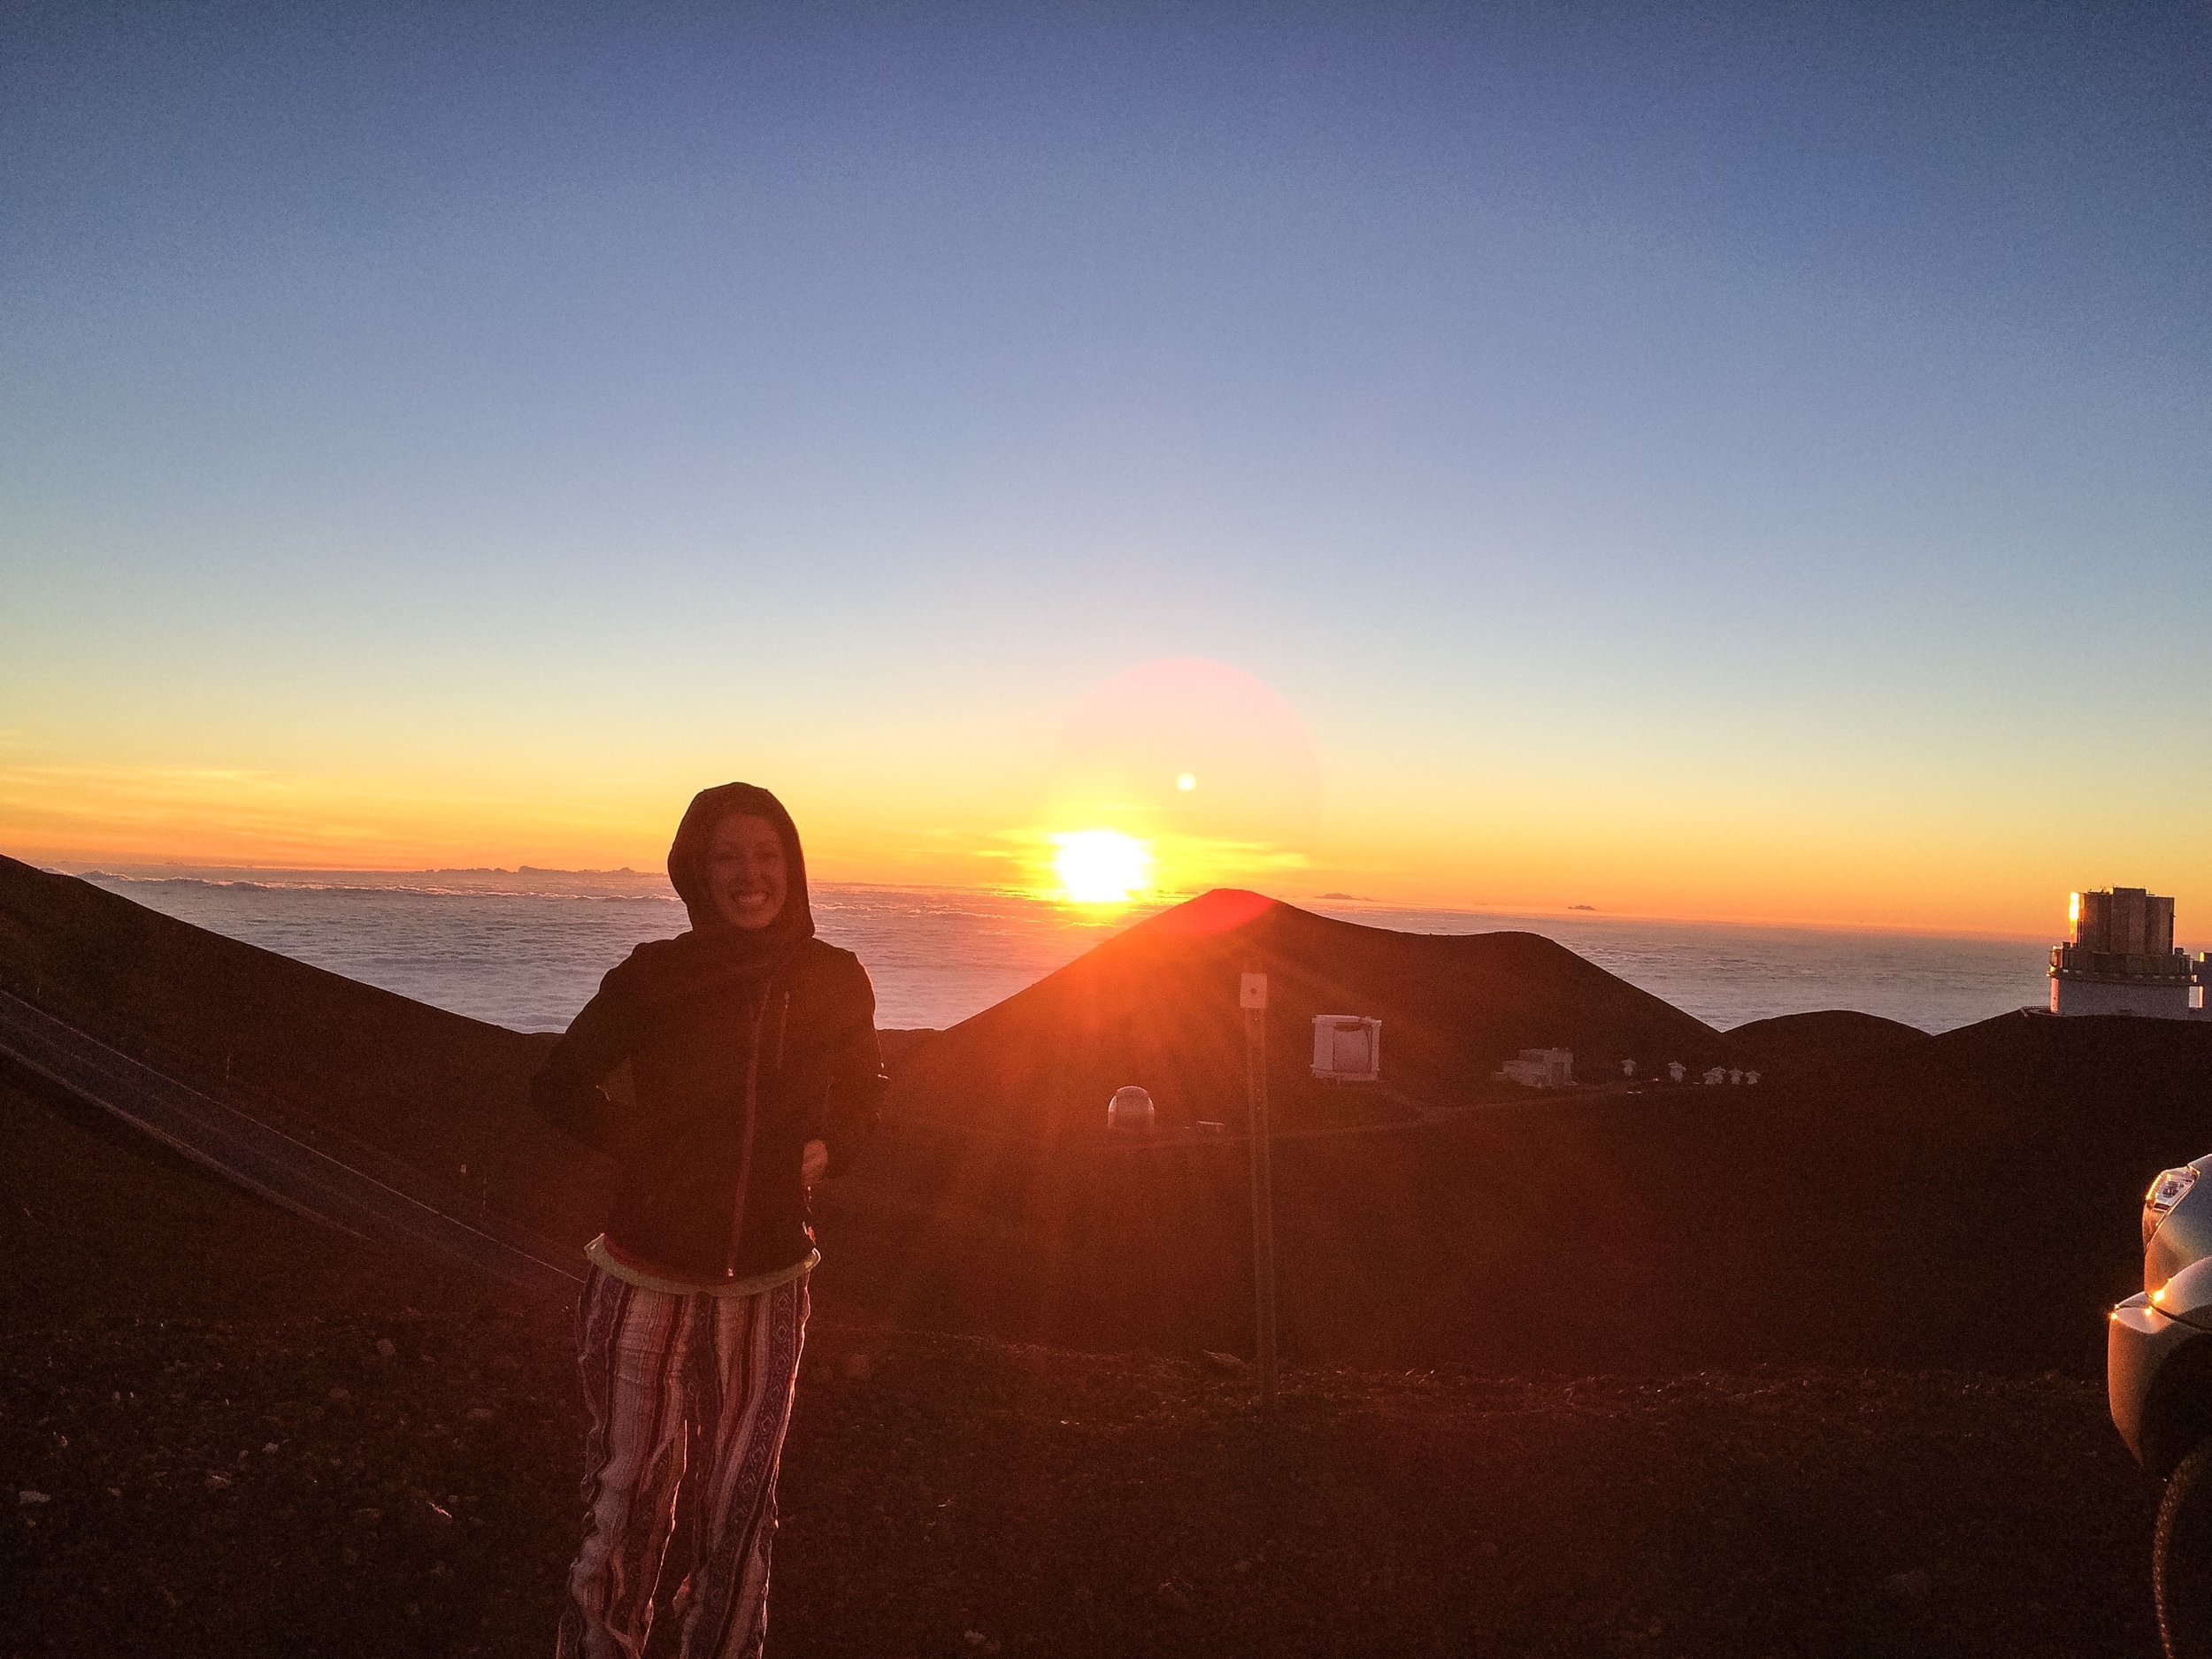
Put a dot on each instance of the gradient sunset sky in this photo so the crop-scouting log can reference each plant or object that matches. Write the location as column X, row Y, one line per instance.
column 1720, row 461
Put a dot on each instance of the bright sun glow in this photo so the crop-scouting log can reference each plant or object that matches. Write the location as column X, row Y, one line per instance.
column 1101, row 866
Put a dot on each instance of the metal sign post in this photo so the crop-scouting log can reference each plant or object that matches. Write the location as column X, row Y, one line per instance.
column 1252, row 997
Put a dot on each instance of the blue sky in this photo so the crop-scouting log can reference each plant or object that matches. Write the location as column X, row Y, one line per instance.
column 1789, row 417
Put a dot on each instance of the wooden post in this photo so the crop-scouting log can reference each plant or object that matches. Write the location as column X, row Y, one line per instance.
column 1252, row 996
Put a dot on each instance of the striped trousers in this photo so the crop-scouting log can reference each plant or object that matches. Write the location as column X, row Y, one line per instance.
column 689, row 1397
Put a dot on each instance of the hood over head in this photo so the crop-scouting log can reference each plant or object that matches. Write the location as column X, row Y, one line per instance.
column 687, row 867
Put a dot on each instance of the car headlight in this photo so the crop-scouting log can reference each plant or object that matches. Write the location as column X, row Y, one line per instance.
column 2171, row 1187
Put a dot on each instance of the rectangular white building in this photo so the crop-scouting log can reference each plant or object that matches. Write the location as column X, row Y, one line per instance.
column 1539, row 1068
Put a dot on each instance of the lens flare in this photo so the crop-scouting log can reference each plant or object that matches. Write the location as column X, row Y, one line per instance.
column 1204, row 767
column 1101, row 866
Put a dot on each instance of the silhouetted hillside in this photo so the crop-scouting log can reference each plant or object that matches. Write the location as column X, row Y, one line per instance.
column 435, row 1091
column 1798, row 1045
column 1969, row 1199
column 100, row 1220
column 1156, row 1006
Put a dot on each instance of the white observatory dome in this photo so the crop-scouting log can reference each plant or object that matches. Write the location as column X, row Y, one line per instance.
column 1131, row 1108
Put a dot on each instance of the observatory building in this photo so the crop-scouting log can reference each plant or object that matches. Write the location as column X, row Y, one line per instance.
column 1131, row 1109
column 1346, row 1049
column 1539, row 1068
column 2122, row 959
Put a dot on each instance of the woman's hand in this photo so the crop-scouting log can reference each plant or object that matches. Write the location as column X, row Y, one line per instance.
column 813, row 1162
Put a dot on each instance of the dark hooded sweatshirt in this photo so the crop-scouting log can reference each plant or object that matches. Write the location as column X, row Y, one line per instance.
column 744, row 1045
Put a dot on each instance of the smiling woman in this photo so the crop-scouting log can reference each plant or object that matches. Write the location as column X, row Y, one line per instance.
column 1101, row 866
column 756, row 1072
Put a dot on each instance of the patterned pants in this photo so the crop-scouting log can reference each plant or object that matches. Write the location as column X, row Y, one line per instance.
column 689, row 1397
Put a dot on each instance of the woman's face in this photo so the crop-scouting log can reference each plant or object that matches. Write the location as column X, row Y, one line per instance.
column 745, row 871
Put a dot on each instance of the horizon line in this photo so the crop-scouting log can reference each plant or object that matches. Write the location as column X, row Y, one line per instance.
column 126, row 870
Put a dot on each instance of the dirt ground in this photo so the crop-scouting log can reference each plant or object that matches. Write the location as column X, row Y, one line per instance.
column 365, row 1485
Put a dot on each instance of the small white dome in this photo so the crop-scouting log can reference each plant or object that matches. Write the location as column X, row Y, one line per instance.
column 1131, row 1108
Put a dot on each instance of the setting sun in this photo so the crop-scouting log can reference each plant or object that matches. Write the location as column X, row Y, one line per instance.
column 1101, row 866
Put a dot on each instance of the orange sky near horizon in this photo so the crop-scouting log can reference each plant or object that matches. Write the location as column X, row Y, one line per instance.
column 1154, row 753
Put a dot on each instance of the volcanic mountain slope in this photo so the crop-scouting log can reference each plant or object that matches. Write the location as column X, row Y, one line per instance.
column 369, row 1075
column 2001, row 1167
column 1799, row 1045
column 1969, row 1200
column 1157, row 1007
column 100, row 1221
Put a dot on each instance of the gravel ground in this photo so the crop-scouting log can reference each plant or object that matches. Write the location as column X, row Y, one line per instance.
column 391, row 1485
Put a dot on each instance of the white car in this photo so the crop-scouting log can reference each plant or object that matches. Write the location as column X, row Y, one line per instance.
column 2158, row 1381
